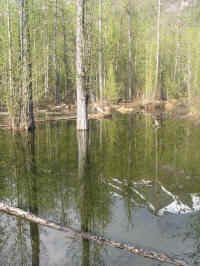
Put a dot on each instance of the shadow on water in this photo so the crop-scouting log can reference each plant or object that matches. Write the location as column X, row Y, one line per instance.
column 124, row 179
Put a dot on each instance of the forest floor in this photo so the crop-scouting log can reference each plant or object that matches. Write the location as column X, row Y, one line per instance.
column 176, row 109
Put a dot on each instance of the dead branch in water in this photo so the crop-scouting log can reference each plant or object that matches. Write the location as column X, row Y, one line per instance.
column 89, row 236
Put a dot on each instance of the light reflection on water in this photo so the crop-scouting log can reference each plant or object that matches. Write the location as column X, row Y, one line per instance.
column 125, row 180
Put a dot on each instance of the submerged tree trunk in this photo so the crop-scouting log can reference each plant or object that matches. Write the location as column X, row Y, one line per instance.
column 81, row 90
column 82, row 138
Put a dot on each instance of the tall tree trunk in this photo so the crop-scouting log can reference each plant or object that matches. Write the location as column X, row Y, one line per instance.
column 189, row 74
column 129, row 53
column 46, row 86
column 56, row 77
column 22, row 116
column 157, row 51
column 11, row 92
column 100, row 52
column 27, row 120
column 64, row 51
column 81, row 90
column 177, row 50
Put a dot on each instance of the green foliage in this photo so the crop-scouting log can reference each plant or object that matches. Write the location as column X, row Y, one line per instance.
column 179, row 48
column 112, row 91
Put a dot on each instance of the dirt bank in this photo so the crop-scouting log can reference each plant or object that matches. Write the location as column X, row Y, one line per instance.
column 176, row 109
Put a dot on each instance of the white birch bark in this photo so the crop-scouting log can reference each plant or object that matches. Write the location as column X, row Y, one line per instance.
column 82, row 99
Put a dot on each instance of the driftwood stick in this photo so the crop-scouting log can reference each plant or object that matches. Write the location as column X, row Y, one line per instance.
column 88, row 236
column 99, row 109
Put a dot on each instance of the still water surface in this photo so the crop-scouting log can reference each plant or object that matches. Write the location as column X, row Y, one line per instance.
column 126, row 180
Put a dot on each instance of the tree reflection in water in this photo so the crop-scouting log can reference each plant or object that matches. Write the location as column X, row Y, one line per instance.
column 26, row 170
column 92, row 212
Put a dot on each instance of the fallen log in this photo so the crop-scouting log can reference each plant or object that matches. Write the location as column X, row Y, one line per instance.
column 99, row 109
column 89, row 236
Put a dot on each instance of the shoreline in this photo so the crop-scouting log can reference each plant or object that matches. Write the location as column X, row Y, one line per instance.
column 176, row 109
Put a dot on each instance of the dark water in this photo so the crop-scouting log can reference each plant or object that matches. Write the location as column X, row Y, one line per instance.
column 125, row 180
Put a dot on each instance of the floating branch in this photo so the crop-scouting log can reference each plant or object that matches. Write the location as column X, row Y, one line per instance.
column 89, row 236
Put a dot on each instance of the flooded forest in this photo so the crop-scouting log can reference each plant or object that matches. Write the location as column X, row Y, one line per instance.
column 99, row 132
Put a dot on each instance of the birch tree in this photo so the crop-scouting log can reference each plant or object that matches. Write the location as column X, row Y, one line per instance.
column 82, row 97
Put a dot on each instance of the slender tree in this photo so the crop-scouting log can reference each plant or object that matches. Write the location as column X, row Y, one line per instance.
column 21, row 111
column 10, row 94
column 157, row 50
column 100, row 52
column 81, row 90
column 27, row 115
column 56, row 76
column 130, row 72
column 64, row 50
